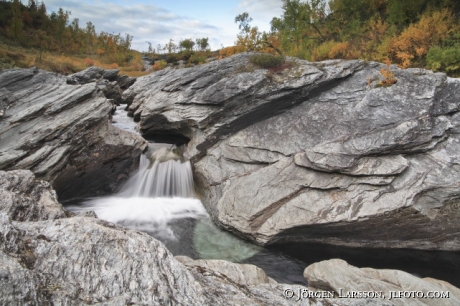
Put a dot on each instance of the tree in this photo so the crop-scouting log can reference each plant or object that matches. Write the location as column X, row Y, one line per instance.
column 249, row 37
column 171, row 46
column 150, row 49
column 417, row 39
column 90, row 35
column 299, row 26
column 187, row 44
column 202, row 43
column 16, row 22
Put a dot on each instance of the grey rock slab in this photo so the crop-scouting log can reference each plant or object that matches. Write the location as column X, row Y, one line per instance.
column 221, row 97
column 318, row 152
column 243, row 274
column 342, row 278
column 50, row 126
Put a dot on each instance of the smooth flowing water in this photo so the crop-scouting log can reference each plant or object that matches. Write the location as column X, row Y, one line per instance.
column 159, row 199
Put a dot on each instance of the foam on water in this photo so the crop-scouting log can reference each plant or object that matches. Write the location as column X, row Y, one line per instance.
column 145, row 214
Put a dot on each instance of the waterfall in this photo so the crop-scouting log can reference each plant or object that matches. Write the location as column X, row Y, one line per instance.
column 162, row 173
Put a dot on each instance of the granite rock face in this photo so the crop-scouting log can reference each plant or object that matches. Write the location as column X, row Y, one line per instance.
column 52, row 258
column 36, row 200
column 319, row 152
column 242, row 274
column 62, row 133
column 344, row 279
column 108, row 81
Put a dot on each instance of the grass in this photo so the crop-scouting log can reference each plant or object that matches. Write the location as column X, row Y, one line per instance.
column 18, row 57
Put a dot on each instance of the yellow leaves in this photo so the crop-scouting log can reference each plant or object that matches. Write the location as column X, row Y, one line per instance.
column 415, row 41
column 389, row 76
column 322, row 51
column 229, row 51
column 378, row 29
column 340, row 50
column 335, row 50
column 159, row 65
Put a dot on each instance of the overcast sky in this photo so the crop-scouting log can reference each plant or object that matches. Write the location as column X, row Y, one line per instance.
column 159, row 20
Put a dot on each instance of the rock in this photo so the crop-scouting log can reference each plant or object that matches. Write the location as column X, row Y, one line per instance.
column 111, row 90
column 36, row 200
column 125, row 81
column 82, row 260
column 317, row 152
column 111, row 75
column 343, row 279
column 89, row 260
column 111, row 84
column 243, row 274
column 89, row 75
column 62, row 133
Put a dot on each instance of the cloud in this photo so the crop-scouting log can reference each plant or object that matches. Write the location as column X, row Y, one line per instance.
column 146, row 22
column 261, row 11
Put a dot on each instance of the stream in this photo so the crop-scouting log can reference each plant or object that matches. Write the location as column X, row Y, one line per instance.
column 159, row 199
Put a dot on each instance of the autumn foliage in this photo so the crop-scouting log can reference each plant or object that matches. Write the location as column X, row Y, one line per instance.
column 32, row 29
column 410, row 33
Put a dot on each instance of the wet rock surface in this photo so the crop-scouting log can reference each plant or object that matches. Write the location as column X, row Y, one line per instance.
column 62, row 133
column 319, row 152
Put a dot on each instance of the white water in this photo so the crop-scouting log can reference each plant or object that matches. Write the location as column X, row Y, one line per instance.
column 157, row 178
column 160, row 193
column 146, row 214
column 159, row 199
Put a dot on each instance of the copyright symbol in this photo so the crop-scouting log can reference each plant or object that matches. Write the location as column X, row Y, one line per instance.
column 288, row 293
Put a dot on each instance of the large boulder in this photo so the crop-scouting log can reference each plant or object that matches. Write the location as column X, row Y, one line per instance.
column 394, row 286
column 62, row 133
column 317, row 152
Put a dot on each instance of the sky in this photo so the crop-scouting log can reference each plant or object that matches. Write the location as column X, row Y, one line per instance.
column 157, row 21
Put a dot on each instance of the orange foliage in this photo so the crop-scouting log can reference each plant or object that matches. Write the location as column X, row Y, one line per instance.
column 389, row 76
column 159, row 65
column 342, row 50
column 229, row 51
column 417, row 39
column 273, row 43
column 114, row 66
column 335, row 50
column 100, row 51
column 89, row 62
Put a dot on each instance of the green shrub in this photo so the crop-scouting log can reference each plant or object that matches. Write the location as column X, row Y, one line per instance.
column 444, row 59
column 266, row 60
column 197, row 58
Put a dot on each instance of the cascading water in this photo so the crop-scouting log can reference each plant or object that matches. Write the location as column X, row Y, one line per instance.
column 159, row 199
column 161, row 173
column 160, row 193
